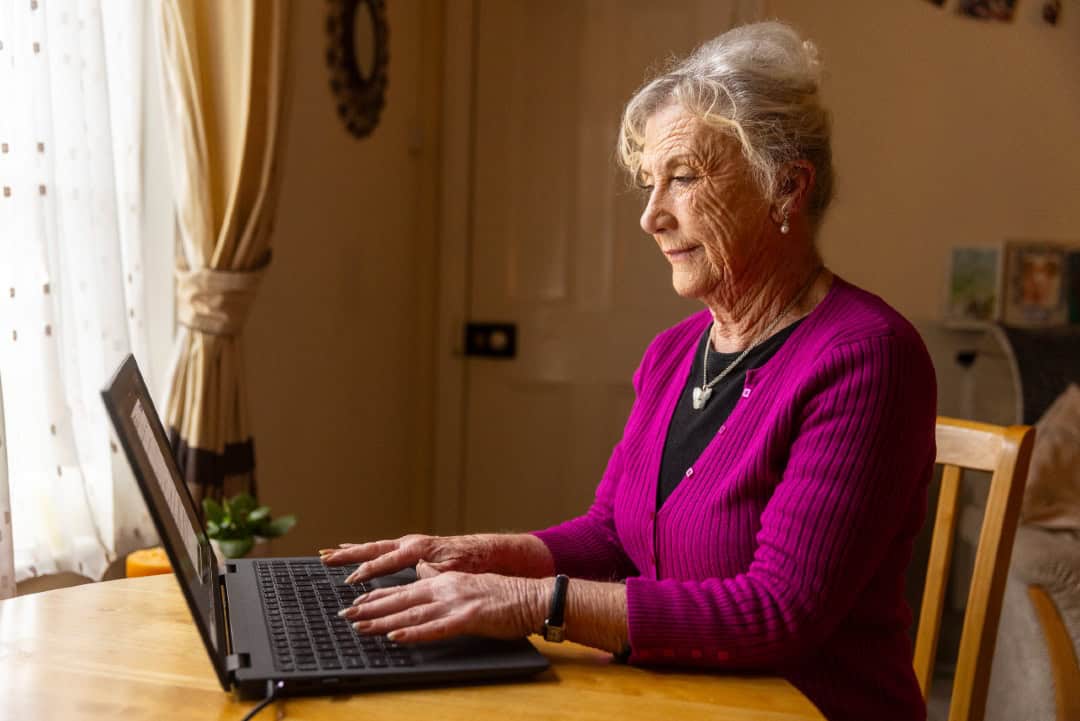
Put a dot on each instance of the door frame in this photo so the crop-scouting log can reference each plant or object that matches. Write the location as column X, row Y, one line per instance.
column 454, row 242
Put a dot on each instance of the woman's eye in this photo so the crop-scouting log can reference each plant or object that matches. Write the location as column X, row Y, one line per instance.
column 646, row 189
column 684, row 179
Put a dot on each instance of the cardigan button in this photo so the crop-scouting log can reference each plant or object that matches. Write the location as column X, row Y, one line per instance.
column 695, row 653
column 723, row 655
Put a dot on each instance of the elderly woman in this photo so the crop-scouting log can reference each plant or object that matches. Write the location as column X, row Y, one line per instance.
column 759, row 510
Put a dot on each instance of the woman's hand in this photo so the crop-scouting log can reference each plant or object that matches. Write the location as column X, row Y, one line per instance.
column 430, row 554
column 453, row 604
column 517, row 555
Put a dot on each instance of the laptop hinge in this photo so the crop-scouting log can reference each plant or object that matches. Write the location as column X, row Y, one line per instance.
column 237, row 661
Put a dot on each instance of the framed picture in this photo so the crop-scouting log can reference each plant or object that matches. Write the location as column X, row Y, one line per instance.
column 1002, row 10
column 973, row 290
column 1035, row 284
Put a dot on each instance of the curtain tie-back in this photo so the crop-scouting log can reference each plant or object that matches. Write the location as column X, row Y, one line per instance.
column 216, row 301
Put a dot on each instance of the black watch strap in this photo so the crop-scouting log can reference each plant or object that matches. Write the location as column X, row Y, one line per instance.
column 554, row 627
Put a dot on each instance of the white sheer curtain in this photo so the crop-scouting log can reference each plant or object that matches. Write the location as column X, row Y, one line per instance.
column 72, row 298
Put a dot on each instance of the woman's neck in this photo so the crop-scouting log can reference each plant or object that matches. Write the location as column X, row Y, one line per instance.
column 744, row 312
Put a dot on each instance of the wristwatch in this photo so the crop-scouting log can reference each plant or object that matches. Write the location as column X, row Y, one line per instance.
column 554, row 628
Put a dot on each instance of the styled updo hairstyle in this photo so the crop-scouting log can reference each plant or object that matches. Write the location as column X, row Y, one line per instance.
column 759, row 81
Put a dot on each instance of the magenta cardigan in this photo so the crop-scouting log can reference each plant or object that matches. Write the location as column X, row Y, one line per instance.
column 784, row 547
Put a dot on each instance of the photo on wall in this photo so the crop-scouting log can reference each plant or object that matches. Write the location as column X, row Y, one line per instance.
column 973, row 290
column 1035, row 284
column 1001, row 10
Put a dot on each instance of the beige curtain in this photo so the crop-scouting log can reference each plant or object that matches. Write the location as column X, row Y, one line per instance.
column 223, row 81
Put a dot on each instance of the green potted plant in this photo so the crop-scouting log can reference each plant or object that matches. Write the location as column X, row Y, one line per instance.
column 238, row 524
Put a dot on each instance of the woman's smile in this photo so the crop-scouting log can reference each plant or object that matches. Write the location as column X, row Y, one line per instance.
column 676, row 254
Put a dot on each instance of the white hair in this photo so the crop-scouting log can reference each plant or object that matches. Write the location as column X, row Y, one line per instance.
column 760, row 82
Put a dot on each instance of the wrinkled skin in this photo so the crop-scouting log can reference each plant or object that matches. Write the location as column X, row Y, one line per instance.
column 718, row 230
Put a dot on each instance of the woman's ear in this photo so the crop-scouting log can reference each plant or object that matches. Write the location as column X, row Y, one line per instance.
column 797, row 178
column 793, row 189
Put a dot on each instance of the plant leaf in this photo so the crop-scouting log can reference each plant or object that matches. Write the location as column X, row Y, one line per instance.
column 242, row 504
column 236, row 547
column 258, row 515
column 278, row 527
column 212, row 529
column 213, row 510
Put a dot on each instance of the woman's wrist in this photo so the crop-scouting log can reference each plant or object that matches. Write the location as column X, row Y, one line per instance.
column 535, row 596
column 518, row 554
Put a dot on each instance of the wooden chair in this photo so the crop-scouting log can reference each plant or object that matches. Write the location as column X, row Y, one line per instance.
column 1006, row 452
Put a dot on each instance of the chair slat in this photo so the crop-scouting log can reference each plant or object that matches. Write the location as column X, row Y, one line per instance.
column 926, row 642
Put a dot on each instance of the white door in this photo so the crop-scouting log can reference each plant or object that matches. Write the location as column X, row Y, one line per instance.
column 555, row 246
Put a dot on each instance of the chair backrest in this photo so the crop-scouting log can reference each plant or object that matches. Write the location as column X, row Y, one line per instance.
column 1006, row 453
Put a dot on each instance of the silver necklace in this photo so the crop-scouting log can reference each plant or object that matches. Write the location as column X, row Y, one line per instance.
column 704, row 392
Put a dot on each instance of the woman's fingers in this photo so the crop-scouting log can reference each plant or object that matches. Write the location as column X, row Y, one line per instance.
column 426, row 570
column 383, row 601
column 433, row 630
column 386, row 563
column 356, row 553
column 394, row 612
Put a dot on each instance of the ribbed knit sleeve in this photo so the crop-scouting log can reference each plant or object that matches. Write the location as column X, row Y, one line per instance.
column 863, row 448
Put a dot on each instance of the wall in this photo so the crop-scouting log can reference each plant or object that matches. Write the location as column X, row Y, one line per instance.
column 338, row 343
column 947, row 131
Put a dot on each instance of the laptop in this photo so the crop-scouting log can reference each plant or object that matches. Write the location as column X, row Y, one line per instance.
column 272, row 623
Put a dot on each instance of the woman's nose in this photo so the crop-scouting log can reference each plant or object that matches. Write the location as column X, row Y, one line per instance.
column 656, row 218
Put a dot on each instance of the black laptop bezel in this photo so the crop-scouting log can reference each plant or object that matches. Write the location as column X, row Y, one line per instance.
column 128, row 377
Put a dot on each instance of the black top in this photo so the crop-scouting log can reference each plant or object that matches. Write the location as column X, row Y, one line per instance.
column 690, row 431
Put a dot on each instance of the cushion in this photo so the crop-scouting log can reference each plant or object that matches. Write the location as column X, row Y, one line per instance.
column 1052, row 496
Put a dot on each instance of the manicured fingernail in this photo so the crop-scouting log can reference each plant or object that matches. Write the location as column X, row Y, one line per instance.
column 394, row 635
column 361, row 625
column 324, row 551
column 351, row 578
column 359, row 599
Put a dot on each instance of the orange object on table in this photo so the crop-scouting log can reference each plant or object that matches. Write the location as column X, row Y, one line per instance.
column 147, row 562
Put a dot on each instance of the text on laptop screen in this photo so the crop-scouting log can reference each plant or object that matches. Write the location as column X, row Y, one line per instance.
column 164, row 479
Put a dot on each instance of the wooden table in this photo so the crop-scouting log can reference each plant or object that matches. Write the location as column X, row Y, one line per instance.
column 128, row 649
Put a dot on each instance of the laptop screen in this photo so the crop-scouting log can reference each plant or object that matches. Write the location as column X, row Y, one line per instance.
column 179, row 526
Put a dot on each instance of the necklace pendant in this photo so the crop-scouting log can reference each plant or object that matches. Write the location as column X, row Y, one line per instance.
column 701, row 397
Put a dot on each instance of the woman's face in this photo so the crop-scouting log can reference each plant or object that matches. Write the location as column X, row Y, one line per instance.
column 704, row 209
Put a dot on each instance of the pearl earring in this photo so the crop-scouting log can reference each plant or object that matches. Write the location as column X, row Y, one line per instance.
column 785, row 227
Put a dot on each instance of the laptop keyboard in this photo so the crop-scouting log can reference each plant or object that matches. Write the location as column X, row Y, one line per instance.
column 301, row 600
